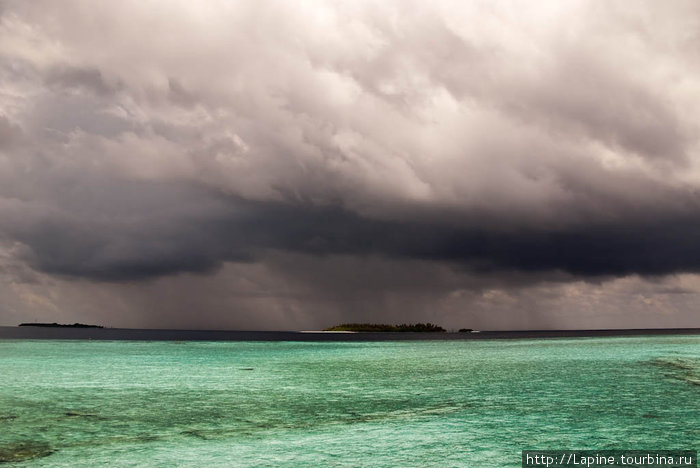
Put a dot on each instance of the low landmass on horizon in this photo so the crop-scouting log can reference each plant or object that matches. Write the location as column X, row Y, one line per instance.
column 60, row 325
column 382, row 327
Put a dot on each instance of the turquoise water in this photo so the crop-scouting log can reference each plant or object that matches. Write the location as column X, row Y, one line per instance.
column 427, row 403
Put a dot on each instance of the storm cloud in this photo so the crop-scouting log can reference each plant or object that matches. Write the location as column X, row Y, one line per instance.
column 155, row 229
column 403, row 156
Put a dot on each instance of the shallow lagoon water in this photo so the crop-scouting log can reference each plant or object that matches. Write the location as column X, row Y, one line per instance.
column 418, row 403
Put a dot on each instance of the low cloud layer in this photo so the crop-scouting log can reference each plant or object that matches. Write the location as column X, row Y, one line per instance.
column 459, row 159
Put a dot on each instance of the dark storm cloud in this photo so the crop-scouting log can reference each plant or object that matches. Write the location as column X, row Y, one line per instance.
column 488, row 145
column 126, row 230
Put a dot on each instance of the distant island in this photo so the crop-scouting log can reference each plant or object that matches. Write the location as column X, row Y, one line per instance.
column 59, row 325
column 381, row 327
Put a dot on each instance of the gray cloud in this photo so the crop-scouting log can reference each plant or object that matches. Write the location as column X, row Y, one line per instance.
column 80, row 79
column 528, row 145
column 107, row 229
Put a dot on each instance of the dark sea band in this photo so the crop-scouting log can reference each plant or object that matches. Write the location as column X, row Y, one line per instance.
column 230, row 335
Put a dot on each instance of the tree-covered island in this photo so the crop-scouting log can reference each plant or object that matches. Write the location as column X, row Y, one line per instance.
column 382, row 327
column 59, row 325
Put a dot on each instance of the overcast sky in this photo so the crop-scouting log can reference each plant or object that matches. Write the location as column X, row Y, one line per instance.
column 292, row 165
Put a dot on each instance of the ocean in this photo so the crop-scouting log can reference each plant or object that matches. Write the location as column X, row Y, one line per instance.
column 471, row 403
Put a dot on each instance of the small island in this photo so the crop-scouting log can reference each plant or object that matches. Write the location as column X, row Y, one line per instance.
column 59, row 325
column 381, row 327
